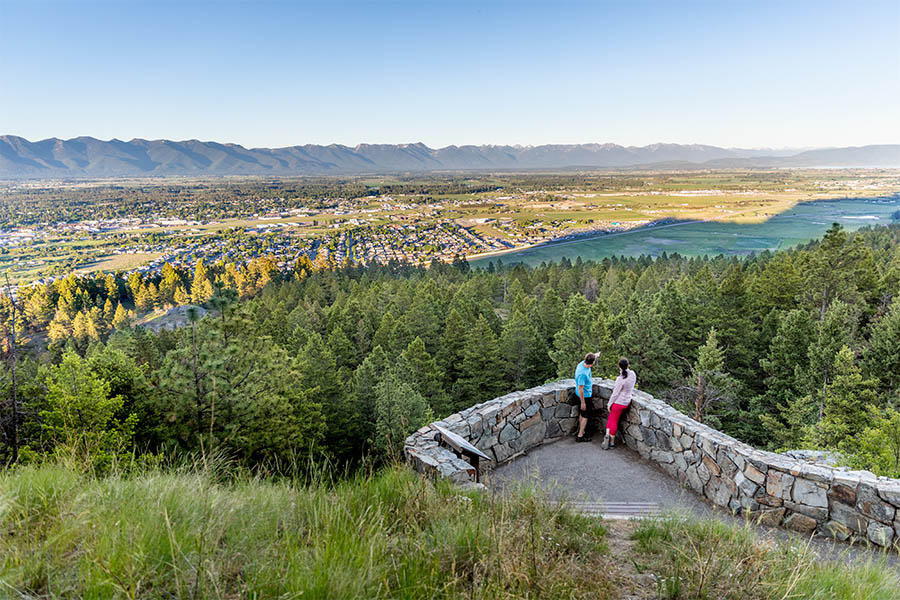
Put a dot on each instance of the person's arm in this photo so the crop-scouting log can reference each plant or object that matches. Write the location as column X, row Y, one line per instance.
column 581, row 397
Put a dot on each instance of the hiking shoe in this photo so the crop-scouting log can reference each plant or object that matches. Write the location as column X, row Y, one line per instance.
column 585, row 438
column 605, row 444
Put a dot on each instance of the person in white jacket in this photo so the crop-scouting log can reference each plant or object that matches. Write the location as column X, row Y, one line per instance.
column 618, row 402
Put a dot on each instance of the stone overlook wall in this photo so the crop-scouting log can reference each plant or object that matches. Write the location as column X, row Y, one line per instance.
column 776, row 489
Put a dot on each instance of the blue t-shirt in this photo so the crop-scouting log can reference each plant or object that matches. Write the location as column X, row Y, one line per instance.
column 583, row 377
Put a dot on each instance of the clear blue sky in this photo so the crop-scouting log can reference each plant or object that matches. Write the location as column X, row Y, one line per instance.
column 261, row 73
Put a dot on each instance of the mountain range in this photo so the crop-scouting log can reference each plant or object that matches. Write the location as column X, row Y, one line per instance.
column 87, row 157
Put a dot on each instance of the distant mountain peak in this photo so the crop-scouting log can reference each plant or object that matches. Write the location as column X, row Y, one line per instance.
column 89, row 157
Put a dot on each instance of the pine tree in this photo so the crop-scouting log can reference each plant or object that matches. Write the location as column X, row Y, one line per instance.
column 481, row 369
column 735, row 331
column 109, row 311
column 453, row 343
column 111, row 287
column 836, row 330
column 831, row 272
column 120, row 318
column 201, row 287
column 647, row 347
column 399, row 410
column 80, row 414
column 849, row 406
column 38, row 304
column 365, row 378
column 785, row 366
column 523, row 350
column 143, row 298
column 417, row 368
column 548, row 315
column 714, row 386
column 681, row 319
column 342, row 349
column 384, row 333
column 878, row 447
column 241, row 396
column 882, row 356
column 576, row 338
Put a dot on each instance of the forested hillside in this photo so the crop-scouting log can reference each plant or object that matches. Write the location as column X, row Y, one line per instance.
column 783, row 350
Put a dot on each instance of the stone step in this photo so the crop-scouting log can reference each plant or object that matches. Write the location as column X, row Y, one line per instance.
column 616, row 510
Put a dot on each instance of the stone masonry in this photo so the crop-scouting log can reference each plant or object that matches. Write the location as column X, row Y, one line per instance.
column 775, row 489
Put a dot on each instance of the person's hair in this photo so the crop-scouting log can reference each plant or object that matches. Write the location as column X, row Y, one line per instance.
column 623, row 367
column 589, row 358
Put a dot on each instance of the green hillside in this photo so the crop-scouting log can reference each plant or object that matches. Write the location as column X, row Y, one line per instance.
column 208, row 533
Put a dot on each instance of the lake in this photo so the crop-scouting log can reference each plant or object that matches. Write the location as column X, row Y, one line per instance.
column 692, row 238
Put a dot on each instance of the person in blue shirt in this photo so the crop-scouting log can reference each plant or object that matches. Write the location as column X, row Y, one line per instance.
column 584, row 386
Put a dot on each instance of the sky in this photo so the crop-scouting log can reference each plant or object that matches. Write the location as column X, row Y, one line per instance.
column 271, row 74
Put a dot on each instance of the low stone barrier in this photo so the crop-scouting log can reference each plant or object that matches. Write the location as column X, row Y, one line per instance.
column 778, row 490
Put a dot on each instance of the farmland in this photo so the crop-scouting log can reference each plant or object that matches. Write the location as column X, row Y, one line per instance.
column 50, row 229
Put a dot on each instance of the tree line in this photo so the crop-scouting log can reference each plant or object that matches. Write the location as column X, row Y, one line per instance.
column 785, row 349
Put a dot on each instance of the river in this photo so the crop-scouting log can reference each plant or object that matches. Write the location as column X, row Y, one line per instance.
column 802, row 223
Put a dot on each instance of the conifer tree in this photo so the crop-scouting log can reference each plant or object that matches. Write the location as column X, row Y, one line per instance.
column 365, row 378
column 453, row 343
column 576, row 338
column 832, row 269
column 849, row 406
column 109, row 311
column 882, row 356
column 384, row 333
column 548, row 315
column 180, row 296
column 647, row 347
column 241, row 395
column 523, row 351
column 37, row 303
column 417, row 368
column 878, row 446
column 201, row 287
column 785, row 367
column 80, row 414
column 714, row 386
column 681, row 319
column 836, row 330
column 481, row 368
column 143, row 298
column 342, row 349
column 120, row 318
column 399, row 411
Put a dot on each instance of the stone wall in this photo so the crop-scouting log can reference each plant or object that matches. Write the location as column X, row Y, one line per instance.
column 773, row 488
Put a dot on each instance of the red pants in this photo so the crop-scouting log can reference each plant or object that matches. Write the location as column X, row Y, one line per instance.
column 612, row 423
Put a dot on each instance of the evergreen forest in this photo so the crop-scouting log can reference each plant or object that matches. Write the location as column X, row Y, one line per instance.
column 338, row 363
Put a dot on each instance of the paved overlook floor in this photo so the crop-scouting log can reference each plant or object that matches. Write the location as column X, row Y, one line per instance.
column 586, row 475
column 619, row 483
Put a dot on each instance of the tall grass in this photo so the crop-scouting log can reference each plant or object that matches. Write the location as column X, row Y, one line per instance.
column 709, row 559
column 191, row 534
column 209, row 532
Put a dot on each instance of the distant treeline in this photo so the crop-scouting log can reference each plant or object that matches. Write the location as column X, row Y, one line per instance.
column 787, row 349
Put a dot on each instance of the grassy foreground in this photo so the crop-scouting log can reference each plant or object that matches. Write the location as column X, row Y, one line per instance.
column 191, row 534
